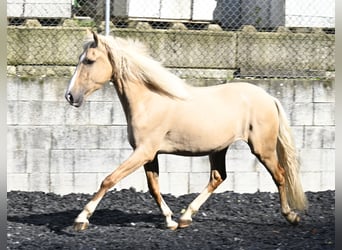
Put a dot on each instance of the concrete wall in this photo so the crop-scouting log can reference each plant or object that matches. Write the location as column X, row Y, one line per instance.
column 54, row 147
column 251, row 53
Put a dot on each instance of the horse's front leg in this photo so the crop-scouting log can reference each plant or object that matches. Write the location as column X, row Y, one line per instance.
column 138, row 158
column 152, row 174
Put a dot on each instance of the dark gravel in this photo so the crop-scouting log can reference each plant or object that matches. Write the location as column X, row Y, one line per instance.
column 131, row 220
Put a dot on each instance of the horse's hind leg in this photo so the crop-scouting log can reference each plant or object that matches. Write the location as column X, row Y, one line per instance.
column 268, row 157
column 152, row 174
column 217, row 176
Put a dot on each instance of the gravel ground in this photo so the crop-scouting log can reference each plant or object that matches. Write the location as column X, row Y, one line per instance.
column 131, row 220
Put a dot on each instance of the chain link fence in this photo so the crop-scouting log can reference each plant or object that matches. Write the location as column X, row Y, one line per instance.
column 289, row 38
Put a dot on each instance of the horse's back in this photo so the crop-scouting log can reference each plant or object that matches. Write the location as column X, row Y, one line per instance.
column 255, row 95
column 245, row 88
column 235, row 94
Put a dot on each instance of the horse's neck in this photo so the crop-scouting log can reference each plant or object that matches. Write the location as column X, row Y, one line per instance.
column 132, row 96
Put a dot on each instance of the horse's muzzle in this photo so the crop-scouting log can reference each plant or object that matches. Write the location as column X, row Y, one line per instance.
column 76, row 102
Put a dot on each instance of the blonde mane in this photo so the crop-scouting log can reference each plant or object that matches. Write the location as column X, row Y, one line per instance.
column 131, row 62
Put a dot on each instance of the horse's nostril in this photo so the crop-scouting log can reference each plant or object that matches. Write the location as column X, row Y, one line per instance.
column 69, row 98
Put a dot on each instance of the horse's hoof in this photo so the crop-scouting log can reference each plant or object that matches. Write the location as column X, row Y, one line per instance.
column 184, row 223
column 293, row 218
column 295, row 221
column 80, row 226
column 172, row 226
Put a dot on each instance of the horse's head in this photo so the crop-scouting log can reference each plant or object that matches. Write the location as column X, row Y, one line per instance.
column 92, row 72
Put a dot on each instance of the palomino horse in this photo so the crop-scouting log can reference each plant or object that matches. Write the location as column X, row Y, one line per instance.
column 165, row 115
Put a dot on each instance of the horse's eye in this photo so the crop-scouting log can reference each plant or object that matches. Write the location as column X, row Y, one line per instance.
column 87, row 61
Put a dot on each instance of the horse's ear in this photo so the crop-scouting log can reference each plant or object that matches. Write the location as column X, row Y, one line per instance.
column 92, row 35
column 96, row 39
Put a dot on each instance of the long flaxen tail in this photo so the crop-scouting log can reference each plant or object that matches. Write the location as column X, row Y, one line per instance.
column 288, row 159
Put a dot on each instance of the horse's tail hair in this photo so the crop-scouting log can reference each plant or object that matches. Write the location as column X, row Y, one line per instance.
column 288, row 159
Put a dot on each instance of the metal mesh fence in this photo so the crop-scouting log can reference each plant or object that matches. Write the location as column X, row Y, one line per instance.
column 289, row 38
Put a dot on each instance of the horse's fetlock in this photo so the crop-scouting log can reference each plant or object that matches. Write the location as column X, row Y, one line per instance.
column 193, row 211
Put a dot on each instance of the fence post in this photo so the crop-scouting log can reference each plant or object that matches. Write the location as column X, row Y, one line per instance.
column 107, row 17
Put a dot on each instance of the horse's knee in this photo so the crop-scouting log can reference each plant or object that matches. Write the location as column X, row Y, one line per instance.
column 107, row 183
column 216, row 179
